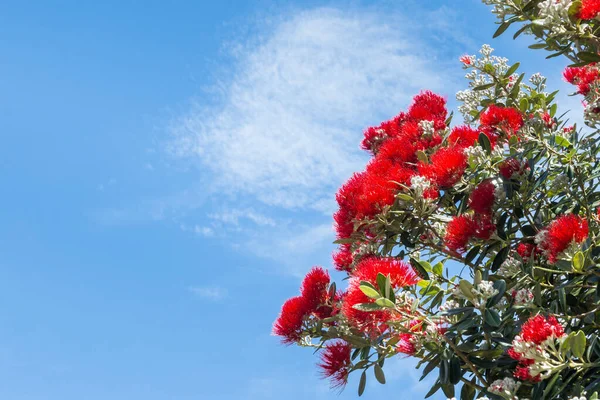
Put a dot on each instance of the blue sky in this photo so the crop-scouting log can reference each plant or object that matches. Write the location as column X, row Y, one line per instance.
column 168, row 171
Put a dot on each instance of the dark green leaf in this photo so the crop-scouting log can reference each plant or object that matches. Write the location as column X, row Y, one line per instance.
column 454, row 373
column 500, row 258
column 588, row 56
column 492, row 318
column 419, row 269
column 467, row 393
column 484, row 142
column 363, row 383
column 379, row 375
column 502, row 28
column 483, row 87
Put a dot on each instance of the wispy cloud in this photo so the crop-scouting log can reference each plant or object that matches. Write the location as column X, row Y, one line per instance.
column 286, row 125
column 213, row 293
column 233, row 216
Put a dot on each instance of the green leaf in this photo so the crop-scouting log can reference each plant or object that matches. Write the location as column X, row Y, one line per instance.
column 404, row 197
column 562, row 299
column 438, row 269
column 448, row 390
column 369, row 290
column 363, row 383
column 483, row 87
column 578, row 261
column 472, row 254
column 466, row 287
column 422, row 156
column 578, row 342
column 433, row 389
column 383, row 302
column 524, row 104
column 366, row 307
column 537, row 45
column 467, row 392
column 379, row 375
column 444, row 371
column 454, row 373
column 549, row 386
column 492, row 318
column 565, row 346
column 484, row 142
column 512, row 70
column 419, row 269
column 521, row 30
column 500, row 258
column 502, row 28
column 381, row 278
column 562, row 141
column 588, row 56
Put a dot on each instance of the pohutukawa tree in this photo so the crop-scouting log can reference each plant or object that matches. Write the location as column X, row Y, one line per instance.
column 474, row 247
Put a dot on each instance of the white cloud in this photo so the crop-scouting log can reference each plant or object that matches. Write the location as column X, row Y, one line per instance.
column 286, row 127
column 294, row 247
column 213, row 293
column 232, row 217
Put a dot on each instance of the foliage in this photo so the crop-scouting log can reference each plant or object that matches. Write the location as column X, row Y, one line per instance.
column 473, row 248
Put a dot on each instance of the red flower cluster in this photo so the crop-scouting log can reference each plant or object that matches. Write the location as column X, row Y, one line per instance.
column 589, row 9
column 561, row 233
column 314, row 291
column 582, row 77
column 497, row 120
column 395, row 144
column 335, row 363
column 478, row 225
column 466, row 227
column 446, row 168
column 534, row 332
column 465, row 136
column 525, row 250
column 401, row 274
column 482, row 198
column 509, row 167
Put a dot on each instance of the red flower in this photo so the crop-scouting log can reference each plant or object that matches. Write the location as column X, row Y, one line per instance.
column 401, row 273
column 522, row 372
column 525, row 250
column 511, row 166
column 534, row 332
column 582, row 77
column 342, row 259
column 314, row 288
column 374, row 137
column 507, row 119
column 335, row 363
column 289, row 323
column 446, row 168
column 465, row 227
column 428, row 106
column 482, row 198
column 406, row 344
column 562, row 232
column 589, row 9
column 464, row 136
column 398, row 150
column 537, row 329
